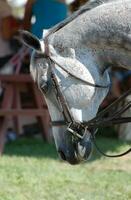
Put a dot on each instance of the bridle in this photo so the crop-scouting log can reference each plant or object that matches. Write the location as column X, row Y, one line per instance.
column 76, row 128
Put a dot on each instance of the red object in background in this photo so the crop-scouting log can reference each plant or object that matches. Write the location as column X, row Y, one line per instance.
column 14, row 23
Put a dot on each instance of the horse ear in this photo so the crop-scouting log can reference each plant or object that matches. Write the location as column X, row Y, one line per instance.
column 30, row 40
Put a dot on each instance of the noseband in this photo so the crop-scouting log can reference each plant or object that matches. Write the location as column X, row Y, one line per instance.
column 77, row 128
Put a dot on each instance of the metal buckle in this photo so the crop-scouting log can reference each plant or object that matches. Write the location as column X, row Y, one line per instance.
column 74, row 132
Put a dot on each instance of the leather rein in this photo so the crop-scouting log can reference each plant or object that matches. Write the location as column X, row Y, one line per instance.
column 73, row 127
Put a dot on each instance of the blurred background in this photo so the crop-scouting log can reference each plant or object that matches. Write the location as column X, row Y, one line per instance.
column 18, row 7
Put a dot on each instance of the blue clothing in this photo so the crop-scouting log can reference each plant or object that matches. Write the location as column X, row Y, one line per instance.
column 121, row 75
column 47, row 13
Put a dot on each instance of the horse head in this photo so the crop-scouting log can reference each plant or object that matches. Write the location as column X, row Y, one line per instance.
column 73, row 144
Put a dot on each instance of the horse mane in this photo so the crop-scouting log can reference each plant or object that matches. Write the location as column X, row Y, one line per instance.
column 91, row 4
column 86, row 7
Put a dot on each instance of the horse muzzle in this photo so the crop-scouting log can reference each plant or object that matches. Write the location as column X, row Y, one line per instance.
column 76, row 151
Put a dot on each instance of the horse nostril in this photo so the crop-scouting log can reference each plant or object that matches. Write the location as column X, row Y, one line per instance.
column 62, row 155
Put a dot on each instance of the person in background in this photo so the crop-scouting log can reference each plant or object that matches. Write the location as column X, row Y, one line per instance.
column 46, row 13
column 7, row 31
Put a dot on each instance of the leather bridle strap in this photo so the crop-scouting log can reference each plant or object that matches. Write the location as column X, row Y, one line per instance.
column 61, row 100
column 100, row 121
column 105, row 122
column 78, row 78
column 54, row 62
column 115, row 103
column 107, row 155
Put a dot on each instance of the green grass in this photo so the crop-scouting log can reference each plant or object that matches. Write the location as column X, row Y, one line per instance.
column 31, row 170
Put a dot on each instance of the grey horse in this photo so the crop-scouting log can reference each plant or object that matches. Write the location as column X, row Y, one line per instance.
column 86, row 44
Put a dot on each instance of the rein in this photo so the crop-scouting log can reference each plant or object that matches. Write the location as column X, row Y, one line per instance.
column 73, row 127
